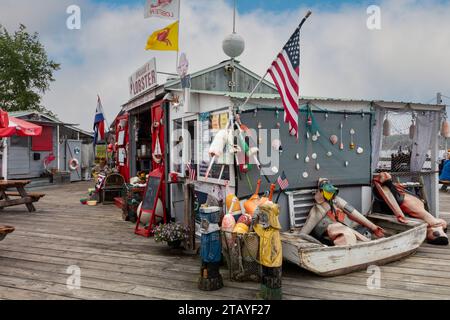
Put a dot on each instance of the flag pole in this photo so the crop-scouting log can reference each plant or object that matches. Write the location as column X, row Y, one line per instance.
column 179, row 30
column 308, row 14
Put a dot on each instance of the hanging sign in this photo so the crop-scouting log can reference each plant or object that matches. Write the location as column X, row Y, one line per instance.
column 165, row 9
column 215, row 122
column 143, row 79
column 223, row 120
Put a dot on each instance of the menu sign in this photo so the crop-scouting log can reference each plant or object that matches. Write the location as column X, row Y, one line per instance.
column 143, row 79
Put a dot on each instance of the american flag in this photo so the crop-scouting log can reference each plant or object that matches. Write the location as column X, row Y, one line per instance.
column 192, row 171
column 285, row 72
column 283, row 181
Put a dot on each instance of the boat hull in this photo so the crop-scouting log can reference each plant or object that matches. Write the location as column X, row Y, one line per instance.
column 333, row 261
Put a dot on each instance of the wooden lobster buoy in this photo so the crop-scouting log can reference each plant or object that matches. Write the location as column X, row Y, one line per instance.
column 211, row 249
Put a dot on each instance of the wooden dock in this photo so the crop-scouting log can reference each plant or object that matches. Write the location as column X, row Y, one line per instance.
column 116, row 264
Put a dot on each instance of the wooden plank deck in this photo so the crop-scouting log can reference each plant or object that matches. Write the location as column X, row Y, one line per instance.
column 116, row 264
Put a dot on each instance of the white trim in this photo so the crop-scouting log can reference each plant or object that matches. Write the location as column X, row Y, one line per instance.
column 5, row 159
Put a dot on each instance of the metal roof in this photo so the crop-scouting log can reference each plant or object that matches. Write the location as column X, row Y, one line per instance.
column 237, row 65
column 304, row 99
column 18, row 114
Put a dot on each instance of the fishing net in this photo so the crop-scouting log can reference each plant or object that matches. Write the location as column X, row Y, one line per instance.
column 241, row 255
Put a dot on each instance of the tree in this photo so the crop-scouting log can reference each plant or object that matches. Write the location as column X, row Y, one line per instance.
column 25, row 71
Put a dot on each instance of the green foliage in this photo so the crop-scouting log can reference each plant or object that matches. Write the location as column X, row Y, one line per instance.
column 25, row 71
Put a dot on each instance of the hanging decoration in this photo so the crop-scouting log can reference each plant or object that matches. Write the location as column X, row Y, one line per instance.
column 352, row 142
column 412, row 128
column 387, row 126
column 341, row 146
column 445, row 129
column 334, row 139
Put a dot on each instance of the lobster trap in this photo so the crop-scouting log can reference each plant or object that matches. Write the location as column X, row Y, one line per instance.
column 241, row 252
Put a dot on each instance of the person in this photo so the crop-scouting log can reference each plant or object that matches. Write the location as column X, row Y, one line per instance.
column 445, row 173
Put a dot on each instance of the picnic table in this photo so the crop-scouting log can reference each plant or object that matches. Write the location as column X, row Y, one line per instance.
column 8, row 198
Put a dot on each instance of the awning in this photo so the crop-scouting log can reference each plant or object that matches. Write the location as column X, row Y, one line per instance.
column 21, row 128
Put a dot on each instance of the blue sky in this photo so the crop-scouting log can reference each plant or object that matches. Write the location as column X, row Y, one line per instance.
column 245, row 6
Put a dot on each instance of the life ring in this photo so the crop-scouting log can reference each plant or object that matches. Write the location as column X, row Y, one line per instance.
column 74, row 164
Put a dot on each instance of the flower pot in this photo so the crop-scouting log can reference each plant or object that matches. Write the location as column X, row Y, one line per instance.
column 174, row 244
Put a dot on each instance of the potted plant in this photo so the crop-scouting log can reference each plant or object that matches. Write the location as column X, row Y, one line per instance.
column 172, row 233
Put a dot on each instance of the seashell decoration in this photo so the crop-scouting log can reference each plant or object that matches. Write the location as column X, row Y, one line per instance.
column 347, row 163
column 317, row 167
column 307, row 160
column 334, row 139
column 329, row 154
column 297, row 156
column 305, row 175
column 314, row 156
column 360, row 150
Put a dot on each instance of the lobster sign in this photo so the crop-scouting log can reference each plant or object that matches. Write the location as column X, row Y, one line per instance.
column 166, row 9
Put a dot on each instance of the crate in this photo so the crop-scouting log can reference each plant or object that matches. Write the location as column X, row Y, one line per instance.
column 61, row 177
column 132, row 196
column 241, row 252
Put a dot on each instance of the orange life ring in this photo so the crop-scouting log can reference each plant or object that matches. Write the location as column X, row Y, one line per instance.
column 74, row 164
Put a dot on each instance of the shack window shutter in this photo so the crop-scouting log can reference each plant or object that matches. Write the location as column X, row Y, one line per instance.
column 44, row 142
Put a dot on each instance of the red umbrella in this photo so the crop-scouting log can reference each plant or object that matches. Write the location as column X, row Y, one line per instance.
column 21, row 128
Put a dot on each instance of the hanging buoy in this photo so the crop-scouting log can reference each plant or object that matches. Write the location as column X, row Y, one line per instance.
column 386, row 127
column 445, row 129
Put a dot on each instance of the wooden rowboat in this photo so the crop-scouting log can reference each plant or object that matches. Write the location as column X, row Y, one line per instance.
column 4, row 231
column 401, row 241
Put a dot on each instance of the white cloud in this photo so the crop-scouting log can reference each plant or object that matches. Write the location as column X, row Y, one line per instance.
column 407, row 60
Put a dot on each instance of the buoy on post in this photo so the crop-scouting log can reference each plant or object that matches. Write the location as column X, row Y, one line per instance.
column 210, row 250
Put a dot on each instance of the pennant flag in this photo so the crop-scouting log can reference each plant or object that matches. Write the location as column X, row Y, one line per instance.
column 283, row 181
column 285, row 72
column 165, row 39
column 165, row 9
column 99, row 123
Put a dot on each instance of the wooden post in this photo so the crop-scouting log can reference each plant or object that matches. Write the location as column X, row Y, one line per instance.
column 189, row 215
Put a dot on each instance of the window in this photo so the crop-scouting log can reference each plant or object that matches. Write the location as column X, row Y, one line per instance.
column 210, row 124
column 177, row 141
column 44, row 142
